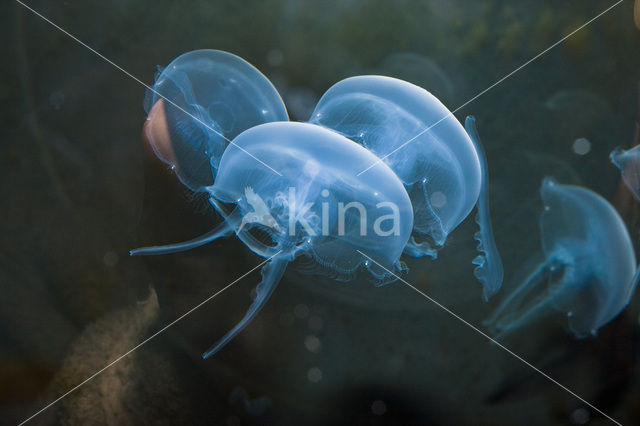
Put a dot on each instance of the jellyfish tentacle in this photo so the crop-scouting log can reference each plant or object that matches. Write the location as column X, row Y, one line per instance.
column 489, row 270
column 627, row 162
column 224, row 229
column 511, row 313
column 416, row 249
column 272, row 272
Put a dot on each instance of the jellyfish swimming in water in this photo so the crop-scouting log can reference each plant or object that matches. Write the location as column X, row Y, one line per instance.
column 589, row 268
column 198, row 104
column 305, row 198
column 628, row 161
column 442, row 167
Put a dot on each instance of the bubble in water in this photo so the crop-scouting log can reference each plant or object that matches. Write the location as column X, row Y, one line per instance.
column 581, row 146
column 378, row 407
column 275, row 57
column 580, row 416
column 314, row 374
column 312, row 343
column 56, row 99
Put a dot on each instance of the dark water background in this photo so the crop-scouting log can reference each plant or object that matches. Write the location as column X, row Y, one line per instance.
column 78, row 190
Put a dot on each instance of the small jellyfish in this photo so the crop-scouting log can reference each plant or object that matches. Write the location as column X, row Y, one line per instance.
column 628, row 161
column 593, row 110
column 419, row 70
column 443, row 169
column 315, row 206
column 198, row 104
column 589, row 267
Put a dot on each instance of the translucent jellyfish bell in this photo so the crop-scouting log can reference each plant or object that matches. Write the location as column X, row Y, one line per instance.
column 199, row 103
column 304, row 197
column 589, row 265
column 443, row 169
column 628, row 161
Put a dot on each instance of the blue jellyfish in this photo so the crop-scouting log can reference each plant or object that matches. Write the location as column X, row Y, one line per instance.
column 309, row 202
column 443, row 169
column 589, row 267
column 628, row 161
column 198, row 104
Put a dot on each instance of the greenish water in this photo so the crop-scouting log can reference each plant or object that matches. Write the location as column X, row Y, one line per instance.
column 78, row 190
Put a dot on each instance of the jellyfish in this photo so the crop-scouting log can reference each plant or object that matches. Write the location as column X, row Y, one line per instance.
column 198, row 104
column 444, row 170
column 628, row 161
column 419, row 70
column 315, row 206
column 589, row 267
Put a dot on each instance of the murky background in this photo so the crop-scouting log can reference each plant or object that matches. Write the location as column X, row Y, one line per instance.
column 78, row 189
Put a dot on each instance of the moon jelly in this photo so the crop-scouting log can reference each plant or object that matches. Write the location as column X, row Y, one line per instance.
column 589, row 268
column 628, row 161
column 198, row 104
column 442, row 168
column 310, row 202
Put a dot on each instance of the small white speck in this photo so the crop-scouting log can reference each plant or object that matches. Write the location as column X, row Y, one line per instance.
column 314, row 374
column 275, row 57
column 312, row 343
column 581, row 146
column 56, row 99
column 378, row 407
column 580, row 416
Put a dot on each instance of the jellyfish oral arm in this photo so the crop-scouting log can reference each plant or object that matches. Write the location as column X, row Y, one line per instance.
column 517, row 308
column 271, row 275
column 489, row 270
column 222, row 230
column 416, row 249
